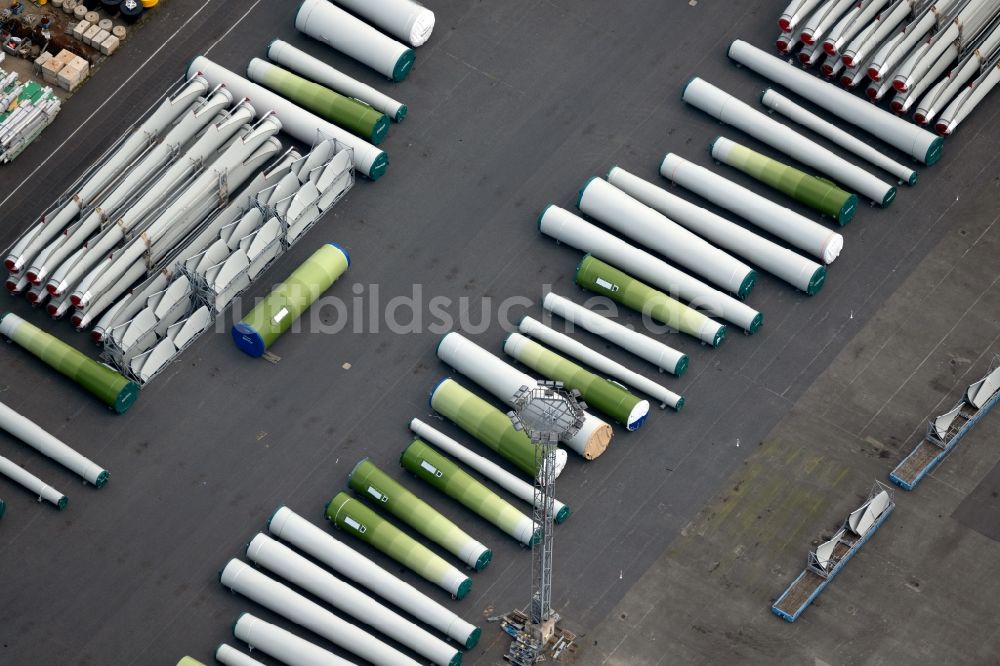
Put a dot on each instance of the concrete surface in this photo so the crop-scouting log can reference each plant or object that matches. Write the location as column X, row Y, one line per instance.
column 921, row 590
column 512, row 106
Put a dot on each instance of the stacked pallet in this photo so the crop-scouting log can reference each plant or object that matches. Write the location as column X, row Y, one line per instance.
column 52, row 67
column 73, row 73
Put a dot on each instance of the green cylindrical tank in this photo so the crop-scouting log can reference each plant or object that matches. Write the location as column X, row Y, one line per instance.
column 112, row 388
column 818, row 193
column 602, row 278
column 351, row 114
column 355, row 518
column 603, row 395
column 376, row 486
column 275, row 314
column 439, row 471
column 486, row 423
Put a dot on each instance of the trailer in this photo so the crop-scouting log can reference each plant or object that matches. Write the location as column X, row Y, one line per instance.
column 946, row 431
column 830, row 557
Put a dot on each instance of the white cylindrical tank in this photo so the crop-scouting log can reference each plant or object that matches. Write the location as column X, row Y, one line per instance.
column 227, row 655
column 18, row 474
column 578, row 350
column 784, row 223
column 503, row 380
column 721, row 105
column 314, row 69
column 897, row 132
column 269, row 593
column 328, row 23
column 404, row 19
column 294, row 568
column 32, row 434
column 568, row 228
column 643, row 346
column 613, row 208
column 287, row 525
column 792, row 111
column 283, row 645
column 514, row 485
column 781, row 262
column 296, row 121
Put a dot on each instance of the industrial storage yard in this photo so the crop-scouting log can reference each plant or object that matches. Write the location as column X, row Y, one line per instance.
column 705, row 536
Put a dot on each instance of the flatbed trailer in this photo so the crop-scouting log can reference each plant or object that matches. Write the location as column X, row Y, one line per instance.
column 819, row 572
column 936, row 445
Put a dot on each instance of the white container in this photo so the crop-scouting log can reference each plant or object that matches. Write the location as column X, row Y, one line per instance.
column 287, row 525
column 573, row 230
column 331, row 25
column 783, row 222
column 314, row 69
column 296, row 121
column 404, row 19
column 809, row 120
column 503, row 381
column 897, row 132
column 616, row 209
column 283, row 645
column 798, row 271
column 724, row 107
column 299, row 571
column 269, row 593
column 666, row 358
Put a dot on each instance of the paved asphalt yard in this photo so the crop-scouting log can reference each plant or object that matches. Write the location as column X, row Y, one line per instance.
column 683, row 532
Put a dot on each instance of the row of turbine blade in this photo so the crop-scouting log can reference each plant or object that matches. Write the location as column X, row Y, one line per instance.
column 940, row 57
column 234, row 248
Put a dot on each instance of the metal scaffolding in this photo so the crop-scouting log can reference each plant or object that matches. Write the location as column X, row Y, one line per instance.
column 548, row 414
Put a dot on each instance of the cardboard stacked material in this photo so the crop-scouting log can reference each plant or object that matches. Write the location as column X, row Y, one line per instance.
column 73, row 73
column 41, row 60
column 88, row 37
column 80, row 29
column 110, row 45
column 51, row 68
